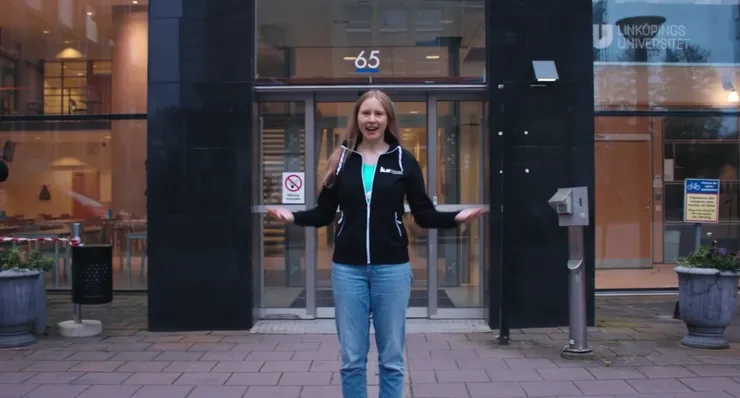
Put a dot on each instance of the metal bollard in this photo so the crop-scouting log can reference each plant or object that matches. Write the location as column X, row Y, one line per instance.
column 578, row 332
column 571, row 204
column 77, row 234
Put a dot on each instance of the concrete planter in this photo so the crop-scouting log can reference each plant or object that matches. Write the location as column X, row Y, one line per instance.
column 706, row 298
column 18, row 307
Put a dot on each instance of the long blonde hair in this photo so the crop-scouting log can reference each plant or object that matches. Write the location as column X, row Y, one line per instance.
column 352, row 135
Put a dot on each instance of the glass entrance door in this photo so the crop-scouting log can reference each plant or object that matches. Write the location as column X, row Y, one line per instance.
column 447, row 138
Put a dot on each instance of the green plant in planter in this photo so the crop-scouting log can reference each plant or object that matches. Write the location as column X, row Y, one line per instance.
column 707, row 291
column 25, row 260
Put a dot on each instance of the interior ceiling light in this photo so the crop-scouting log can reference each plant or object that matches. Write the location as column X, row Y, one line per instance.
column 432, row 57
column 733, row 96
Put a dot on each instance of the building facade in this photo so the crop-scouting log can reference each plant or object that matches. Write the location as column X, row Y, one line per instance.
column 168, row 127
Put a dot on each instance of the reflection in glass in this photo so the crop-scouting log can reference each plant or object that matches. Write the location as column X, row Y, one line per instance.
column 461, row 179
column 331, row 122
column 282, row 150
column 665, row 54
column 329, row 41
column 72, row 60
column 94, row 173
column 641, row 164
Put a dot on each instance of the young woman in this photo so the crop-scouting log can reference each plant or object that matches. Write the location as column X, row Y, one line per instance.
column 367, row 178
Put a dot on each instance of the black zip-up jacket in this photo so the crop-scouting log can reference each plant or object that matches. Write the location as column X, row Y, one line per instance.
column 375, row 234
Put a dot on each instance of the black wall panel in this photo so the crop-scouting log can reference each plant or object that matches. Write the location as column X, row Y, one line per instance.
column 199, row 164
column 546, row 142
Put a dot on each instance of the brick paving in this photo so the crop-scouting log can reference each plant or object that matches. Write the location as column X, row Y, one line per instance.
column 636, row 343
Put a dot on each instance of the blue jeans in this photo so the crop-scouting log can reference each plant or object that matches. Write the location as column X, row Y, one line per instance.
column 382, row 290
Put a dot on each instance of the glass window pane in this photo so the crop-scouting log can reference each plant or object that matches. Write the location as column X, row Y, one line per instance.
column 282, row 148
column 667, row 54
column 338, row 41
column 63, row 39
column 92, row 172
column 641, row 164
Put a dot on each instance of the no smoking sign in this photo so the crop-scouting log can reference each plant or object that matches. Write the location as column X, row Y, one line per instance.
column 294, row 188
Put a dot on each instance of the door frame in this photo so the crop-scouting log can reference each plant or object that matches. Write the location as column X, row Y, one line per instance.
column 310, row 95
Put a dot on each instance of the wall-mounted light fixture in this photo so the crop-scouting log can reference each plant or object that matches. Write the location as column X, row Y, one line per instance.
column 545, row 71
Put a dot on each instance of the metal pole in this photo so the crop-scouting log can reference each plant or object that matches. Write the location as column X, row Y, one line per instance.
column 76, row 234
column 578, row 342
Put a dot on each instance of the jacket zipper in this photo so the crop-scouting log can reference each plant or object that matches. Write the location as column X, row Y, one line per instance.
column 368, row 201
column 364, row 188
column 341, row 224
column 398, row 223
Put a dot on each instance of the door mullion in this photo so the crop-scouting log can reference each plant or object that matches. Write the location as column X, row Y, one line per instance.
column 311, row 252
column 432, row 190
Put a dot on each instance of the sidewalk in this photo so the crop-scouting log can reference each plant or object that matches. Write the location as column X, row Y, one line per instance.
column 636, row 341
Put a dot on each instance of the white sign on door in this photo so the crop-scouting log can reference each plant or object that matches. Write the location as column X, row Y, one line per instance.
column 294, row 188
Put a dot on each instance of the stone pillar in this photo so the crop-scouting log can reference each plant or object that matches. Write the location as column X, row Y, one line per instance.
column 129, row 96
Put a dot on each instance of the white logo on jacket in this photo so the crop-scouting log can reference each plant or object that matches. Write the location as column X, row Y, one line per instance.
column 391, row 171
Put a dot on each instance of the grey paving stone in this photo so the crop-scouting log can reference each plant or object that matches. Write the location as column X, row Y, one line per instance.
column 109, row 392
column 52, row 377
column 496, row 390
column 152, row 378
column 665, row 371
column 253, row 379
column 93, row 378
column 286, row 366
column 273, row 392
column 96, row 366
column 462, row 376
column 305, row 379
column 616, row 373
column 202, row 379
column 15, row 390
column 262, row 355
column 218, row 392
column 238, row 366
column 17, row 377
column 14, row 365
column 565, row 374
column 514, row 375
column 143, row 366
column 163, row 392
column 56, row 391
column 710, row 383
column 444, row 390
column 324, row 392
column 549, row 388
column 595, row 387
column 190, row 366
column 651, row 386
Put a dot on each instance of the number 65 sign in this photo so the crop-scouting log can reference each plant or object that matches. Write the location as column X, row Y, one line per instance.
column 371, row 64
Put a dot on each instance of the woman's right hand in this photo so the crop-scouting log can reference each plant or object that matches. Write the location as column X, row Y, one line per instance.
column 281, row 213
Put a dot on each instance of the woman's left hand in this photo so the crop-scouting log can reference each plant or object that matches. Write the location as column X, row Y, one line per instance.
column 468, row 215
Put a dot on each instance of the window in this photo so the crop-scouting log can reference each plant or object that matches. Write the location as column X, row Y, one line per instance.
column 73, row 84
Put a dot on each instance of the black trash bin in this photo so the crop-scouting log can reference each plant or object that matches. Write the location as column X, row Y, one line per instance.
column 92, row 274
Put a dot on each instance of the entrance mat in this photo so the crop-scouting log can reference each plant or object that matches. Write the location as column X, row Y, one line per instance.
column 418, row 298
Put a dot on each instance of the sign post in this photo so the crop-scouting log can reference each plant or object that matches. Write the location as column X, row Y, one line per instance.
column 294, row 188
column 700, row 206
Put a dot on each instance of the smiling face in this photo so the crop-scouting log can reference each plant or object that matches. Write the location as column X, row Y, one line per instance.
column 372, row 119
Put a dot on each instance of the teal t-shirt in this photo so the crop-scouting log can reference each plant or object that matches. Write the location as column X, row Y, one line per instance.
column 368, row 173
